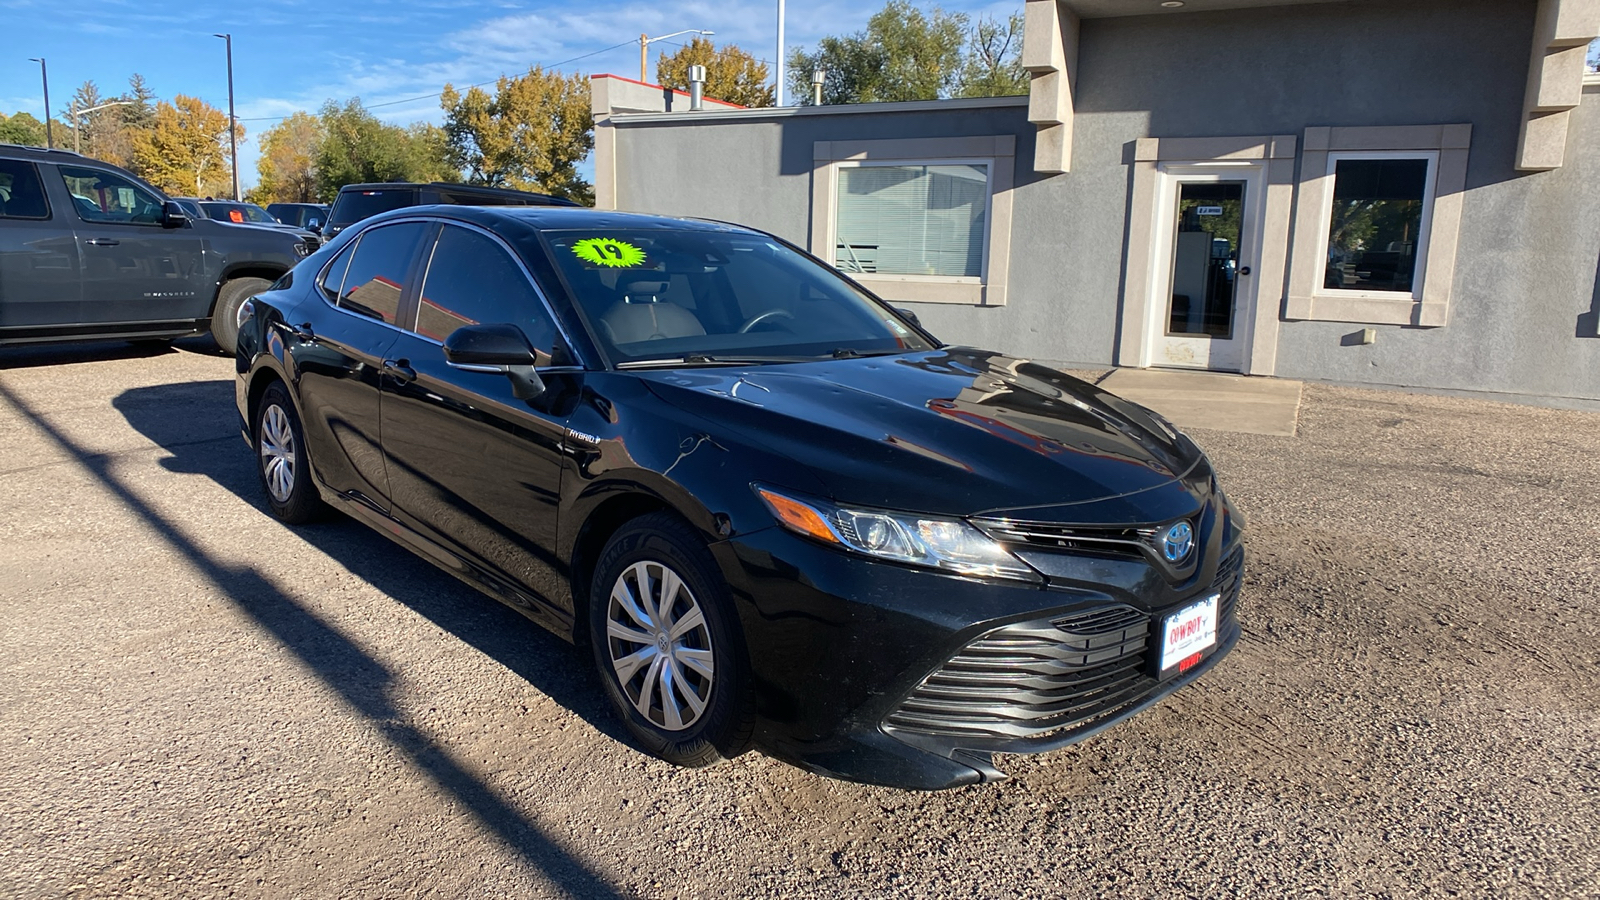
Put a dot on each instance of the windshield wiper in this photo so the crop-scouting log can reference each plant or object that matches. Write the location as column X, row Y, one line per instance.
column 701, row 359
column 853, row 353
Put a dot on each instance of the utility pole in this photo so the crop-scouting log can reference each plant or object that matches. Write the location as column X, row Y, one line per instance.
column 77, row 129
column 44, row 76
column 233, row 123
column 780, row 53
column 644, row 46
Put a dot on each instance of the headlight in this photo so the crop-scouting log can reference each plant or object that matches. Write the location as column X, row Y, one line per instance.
column 933, row 542
column 302, row 249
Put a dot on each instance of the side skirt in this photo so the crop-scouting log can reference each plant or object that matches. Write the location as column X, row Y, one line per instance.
column 530, row 605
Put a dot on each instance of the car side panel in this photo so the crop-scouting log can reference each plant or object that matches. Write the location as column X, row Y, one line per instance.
column 40, row 270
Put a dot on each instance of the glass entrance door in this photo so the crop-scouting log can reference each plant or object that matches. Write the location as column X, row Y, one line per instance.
column 1207, row 271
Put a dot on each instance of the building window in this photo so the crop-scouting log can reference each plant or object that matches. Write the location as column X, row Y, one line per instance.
column 917, row 220
column 1377, row 222
column 1377, row 218
column 912, row 218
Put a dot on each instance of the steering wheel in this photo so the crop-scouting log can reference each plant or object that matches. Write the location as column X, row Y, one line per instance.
column 758, row 318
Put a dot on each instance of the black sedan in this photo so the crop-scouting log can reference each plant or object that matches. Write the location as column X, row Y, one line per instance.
column 780, row 512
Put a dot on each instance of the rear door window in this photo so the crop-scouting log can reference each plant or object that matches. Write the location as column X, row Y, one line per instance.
column 21, row 191
column 472, row 280
column 375, row 282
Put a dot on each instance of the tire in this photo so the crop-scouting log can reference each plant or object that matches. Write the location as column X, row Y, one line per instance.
column 644, row 552
column 225, row 317
column 281, row 459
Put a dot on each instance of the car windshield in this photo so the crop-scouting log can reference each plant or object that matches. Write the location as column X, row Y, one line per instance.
column 238, row 212
column 353, row 206
column 703, row 296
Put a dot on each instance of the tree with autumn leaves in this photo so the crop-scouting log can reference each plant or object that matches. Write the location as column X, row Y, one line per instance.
column 183, row 150
column 731, row 74
column 530, row 134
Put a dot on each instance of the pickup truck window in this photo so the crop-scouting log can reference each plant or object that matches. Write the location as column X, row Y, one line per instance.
column 103, row 197
column 21, row 192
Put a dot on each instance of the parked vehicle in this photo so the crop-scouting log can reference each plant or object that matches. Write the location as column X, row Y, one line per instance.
column 309, row 216
column 778, row 511
column 238, row 213
column 358, row 201
column 89, row 251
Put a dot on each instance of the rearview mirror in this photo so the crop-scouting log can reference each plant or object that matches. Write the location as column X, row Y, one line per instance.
column 499, row 348
column 173, row 216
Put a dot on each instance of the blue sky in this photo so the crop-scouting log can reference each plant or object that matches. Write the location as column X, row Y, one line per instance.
column 293, row 54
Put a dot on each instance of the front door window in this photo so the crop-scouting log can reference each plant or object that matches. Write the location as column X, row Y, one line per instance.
column 1205, row 259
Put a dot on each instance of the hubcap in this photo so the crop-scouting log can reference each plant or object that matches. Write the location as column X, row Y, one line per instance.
column 660, row 645
column 277, row 453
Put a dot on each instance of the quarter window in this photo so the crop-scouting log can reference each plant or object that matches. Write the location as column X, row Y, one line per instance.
column 375, row 282
column 912, row 219
column 21, row 192
column 471, row 280
column 103, row 197
column 1377, row 223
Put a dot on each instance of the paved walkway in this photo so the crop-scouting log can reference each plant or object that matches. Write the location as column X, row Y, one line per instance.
column 1212, row 400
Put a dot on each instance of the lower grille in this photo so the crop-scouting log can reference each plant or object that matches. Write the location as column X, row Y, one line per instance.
column 1035, row 677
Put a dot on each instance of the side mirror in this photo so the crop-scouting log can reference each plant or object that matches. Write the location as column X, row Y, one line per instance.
column 909, row 315
column 496, row 348
column 314, row 226
column 173, row 216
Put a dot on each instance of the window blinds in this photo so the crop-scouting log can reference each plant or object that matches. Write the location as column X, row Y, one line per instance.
column 912, row 219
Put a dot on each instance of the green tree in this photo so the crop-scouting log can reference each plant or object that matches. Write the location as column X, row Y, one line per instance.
column 905, row 53
column 993, row 65
column 182, row 152
column 287, row 168
column 529, row 135
column 356, row 147
column 23, row 129
column 731, row 74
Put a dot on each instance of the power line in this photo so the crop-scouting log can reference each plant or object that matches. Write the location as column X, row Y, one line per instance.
column 437, row 94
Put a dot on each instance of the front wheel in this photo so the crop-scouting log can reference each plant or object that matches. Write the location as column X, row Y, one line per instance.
column 281, row 459
column 225, row 318
column 668, row 644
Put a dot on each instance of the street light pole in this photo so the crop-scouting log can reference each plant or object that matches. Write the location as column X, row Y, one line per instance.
column 233, row 123
column 44, row 76
column 644, row 46
column 77, row 144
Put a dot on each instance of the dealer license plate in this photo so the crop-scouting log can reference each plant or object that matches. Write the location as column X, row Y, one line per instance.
column 1188, row 631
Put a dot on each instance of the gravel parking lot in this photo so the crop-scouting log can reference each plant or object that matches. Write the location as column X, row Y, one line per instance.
column 197, row 701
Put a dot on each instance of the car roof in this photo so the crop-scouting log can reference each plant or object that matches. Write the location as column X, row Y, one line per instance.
column 454, row 187
column 555, row 218
column 52, row 154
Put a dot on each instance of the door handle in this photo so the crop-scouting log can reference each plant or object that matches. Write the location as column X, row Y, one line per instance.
column 102, row 242
column 400, row 370
column 301, row 332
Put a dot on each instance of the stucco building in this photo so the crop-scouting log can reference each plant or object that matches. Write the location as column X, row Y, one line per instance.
column 1386, row 192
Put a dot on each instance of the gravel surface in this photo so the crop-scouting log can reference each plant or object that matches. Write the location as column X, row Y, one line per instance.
column 198, row 702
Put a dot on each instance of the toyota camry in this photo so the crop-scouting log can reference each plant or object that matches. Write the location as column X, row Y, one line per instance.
column 779, row 512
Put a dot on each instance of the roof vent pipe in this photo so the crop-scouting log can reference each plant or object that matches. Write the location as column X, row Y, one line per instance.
column 697, row 86
column 818, row 76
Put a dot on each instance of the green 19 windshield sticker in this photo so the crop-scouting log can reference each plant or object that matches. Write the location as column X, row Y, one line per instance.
column 608, row 252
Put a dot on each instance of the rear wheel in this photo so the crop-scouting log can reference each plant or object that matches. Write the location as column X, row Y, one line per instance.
column 281, row 459
column 668, row 644
column 225, row 318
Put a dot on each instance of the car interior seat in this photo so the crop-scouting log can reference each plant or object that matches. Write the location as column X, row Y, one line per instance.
column 641, row 314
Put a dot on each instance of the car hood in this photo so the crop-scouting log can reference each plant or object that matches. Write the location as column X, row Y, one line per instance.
column 953, row 431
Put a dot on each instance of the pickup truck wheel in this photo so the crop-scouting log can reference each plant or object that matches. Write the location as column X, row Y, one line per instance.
column 225, row 317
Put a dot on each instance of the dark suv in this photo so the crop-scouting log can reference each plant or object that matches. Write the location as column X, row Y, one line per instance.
column 89, row 251
column 359, row 201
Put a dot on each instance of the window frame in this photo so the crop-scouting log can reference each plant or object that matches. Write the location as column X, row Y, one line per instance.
column 996, row 152
column 406, row 290
column 988, row 164
column 1424, row 230
column 1428, row 304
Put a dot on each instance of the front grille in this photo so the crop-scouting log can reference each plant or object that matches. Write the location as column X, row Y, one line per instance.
column 1035, row 677
column 1123, row 542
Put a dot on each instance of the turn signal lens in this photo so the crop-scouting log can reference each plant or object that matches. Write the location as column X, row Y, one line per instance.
column 798, row 516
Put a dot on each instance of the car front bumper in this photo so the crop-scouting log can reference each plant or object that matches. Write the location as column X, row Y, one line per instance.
column 911, row 678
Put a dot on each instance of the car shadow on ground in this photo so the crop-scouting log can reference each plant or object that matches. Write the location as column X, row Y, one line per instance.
column 27, row 356
column 195, row 422
column 182, row 419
